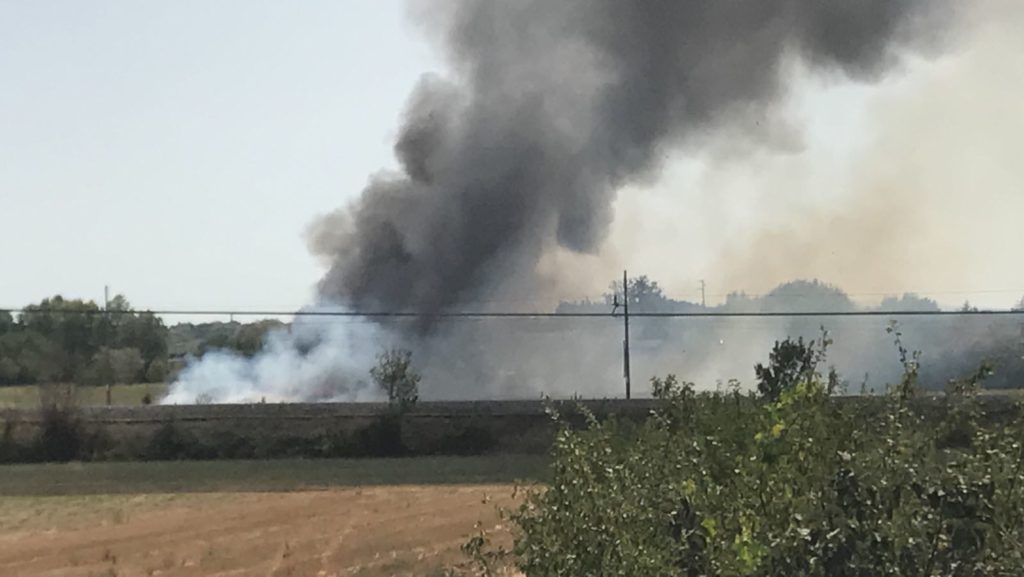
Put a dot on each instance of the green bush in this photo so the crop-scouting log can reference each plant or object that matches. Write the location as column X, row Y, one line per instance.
column 725, row 484
column 381, row 438
column 171, row 443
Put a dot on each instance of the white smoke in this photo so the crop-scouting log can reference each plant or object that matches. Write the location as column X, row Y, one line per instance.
column 315, row 359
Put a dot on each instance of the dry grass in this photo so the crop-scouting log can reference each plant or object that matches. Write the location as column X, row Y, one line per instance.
column 320, row 518
column 27, row 396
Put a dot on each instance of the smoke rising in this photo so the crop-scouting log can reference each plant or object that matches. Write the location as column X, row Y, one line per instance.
column 311, row 360
column 513, row 165
column 554, row 106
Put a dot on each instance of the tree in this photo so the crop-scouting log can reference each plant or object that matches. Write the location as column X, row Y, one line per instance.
column 9, row 370
column 145, row 332
column 909, row 302
column 807, row 296
column 644, row 293
column 156, row 372
column 74, row 326
column 6, row 323
column 1020, row 305
column 789, row 363
column 249, row 337
column 39, row 359
column 109, row 366
column 395, row 376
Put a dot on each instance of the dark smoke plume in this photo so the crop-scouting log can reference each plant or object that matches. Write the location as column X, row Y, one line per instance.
column 554, row 105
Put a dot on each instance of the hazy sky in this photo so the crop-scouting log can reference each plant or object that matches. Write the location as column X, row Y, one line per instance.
column 178, row 151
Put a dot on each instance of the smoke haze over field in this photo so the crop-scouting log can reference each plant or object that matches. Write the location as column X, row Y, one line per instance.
column 570, row 138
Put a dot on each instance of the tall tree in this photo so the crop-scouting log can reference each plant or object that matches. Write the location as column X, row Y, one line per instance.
column 644, row 294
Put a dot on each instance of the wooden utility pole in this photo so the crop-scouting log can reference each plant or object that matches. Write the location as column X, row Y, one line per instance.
column 109, row 375
column 703, row 299
column 625, row 342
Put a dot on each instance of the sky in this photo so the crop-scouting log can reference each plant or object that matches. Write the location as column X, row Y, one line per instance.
column 178, row 152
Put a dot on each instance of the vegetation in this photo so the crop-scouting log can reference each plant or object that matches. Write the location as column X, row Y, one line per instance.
column 188, row 339
column 249, row 475
column 789, row 484
column 395, row 376
column 789, row 364
column 74, row 341
column 28, row 396
column 69, row 341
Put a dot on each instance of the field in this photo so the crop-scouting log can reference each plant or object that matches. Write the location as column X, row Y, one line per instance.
column 27, row 396
column 330, row 517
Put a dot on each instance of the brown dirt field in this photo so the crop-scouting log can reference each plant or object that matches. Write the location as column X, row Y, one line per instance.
column 368, row 531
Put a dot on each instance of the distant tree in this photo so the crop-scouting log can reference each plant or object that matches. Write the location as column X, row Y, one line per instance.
column 9, row 371
column 73, row 326
column 740, row 302
column 119, row 304
column 249, row 337
column 216, row 336
column 396, row 378
column 128, row 365
column 58, row 340
column 807, row 296
column 145, row 332
column 909, row 302
column 109, row 366
column 1020, row 305
column 789, row 363
column 644, row 293
column 6, row 323
column 968, row 308
column 156, row 372
column 39, row 359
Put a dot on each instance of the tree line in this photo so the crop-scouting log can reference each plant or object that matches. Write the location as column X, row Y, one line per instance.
column 62, row 340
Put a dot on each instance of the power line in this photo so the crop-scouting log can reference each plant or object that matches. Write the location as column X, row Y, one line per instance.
column 518, row 315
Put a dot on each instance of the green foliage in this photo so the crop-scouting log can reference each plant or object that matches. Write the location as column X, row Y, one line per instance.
column 61, row 340
column 789, row 364
column 724, row 484
column 157, row 371
column 198, row 339
column 120, row 366
column 396, row 378
column 62, row 436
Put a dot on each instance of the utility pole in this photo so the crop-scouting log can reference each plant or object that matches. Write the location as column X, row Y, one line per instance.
column 625, row 342
column 703, row 299
column 106, row 307
column 625, row 316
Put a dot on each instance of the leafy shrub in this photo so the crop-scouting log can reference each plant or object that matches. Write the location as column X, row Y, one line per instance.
column 471, row 440
column 789, row 363
column 396, row 378
column 381, row 438
column 61, row 435
column 10, row 450
column 796, row 486
column 171, row 443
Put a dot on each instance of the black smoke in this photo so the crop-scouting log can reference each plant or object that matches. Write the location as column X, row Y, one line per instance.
column 552, row 106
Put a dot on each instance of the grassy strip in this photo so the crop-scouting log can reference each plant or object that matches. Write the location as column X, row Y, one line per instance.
column 27, row 396
column 272, row 475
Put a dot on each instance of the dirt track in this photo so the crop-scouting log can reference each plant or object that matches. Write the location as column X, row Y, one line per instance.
column 361, row 531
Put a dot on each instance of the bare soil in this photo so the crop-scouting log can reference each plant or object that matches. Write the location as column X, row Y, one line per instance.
column 365, row 531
